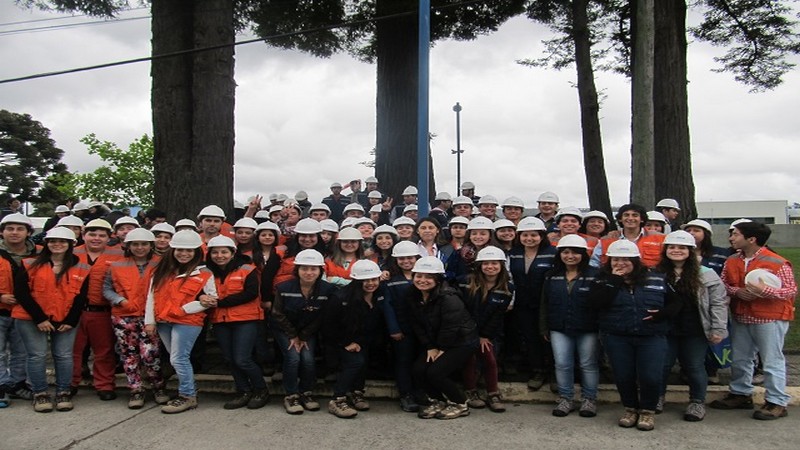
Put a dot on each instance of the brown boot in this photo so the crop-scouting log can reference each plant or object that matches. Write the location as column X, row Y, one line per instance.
column 770, row 411
column 733, row 401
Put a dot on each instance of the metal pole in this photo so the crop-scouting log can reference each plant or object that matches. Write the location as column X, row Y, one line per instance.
column 423, row 170
column 458, row 151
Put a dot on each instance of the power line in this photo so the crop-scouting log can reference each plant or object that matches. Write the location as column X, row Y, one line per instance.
column 23, row 22
column 70, row 25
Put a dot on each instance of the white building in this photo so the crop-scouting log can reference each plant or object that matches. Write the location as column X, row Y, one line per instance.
column 723, row 213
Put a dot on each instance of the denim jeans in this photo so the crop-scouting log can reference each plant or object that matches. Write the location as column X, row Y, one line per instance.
column 767, row 340
column 691, row 353
column 36, row 349
column 405, row 350
column 638, row 364
column 352, row 371
column 237, row 340
column 12, row 354
column 564, row 348
column 179, row 339
column 297, row 364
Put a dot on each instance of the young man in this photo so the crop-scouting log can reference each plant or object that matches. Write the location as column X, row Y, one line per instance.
column 762, row 307
column 548, row 206
column 631, row 218
column 468, row 190
column 211, row 222
column 336, row 202
column 513, row 209
column 671, row 210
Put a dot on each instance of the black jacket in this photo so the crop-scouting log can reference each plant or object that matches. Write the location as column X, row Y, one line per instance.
column 443, row 321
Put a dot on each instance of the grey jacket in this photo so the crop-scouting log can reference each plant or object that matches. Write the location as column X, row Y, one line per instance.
column 712, row 300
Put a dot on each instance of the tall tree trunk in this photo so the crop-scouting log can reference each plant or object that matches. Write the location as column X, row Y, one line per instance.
column 593, row 163
column 193, row 103
column 673, row 163
column 642, row 174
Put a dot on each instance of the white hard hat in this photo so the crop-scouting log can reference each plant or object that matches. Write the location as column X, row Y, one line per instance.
column 371, row 180
column 186, row 239
column 480, row 223
column 504, row 223
column 329, row 225
column 410, row 208
column 623, row 249
column 375, row 194
column 282, row 198
column 349, row 234
column 95, row 204
column 99, row 223
column 572, row 241
column 700, row 223
column 21, row 219
column 680, row 237
column 531, row 224
column 384, row 229
column 428, row 264
column 514, row 202
column 309, row 257
column 354, row 207
column 126, row 220
column 410, row 190
column 569, row 211
column 443, row 196
column 268, row 226
column 246, row 222
column 238, row 205
column 459, row 220
column 261, row 214
column 737, row 222
column 221, row 241
column 488, row 200
column 211, row 211
column 69, row 221
column 308, row 226
column 548, row 196
column 475, row 211
column 272, row 196
column 403, row 221
column 462, row 200
column 347, row 222
column 275, row 208
column 300, row 196
column 162, row 227
column 364, row 269
column 80, row 206
column 185, row 223
column 364, row 221
column 320, row 207
column 467, row 185
column 597, row 214
column 62, row 209
column 668, row 203
column 405, row 248
column 336, row 184
column 140, row 234
column 656, row 216
column 376, row 209
column 60, row 233
column 490, row 253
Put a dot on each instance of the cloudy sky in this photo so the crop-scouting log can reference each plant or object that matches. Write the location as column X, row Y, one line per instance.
column 302, row 122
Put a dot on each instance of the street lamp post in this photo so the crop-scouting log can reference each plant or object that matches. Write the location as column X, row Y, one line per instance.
column 458, row 151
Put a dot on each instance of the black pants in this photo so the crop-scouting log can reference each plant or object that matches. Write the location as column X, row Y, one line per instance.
column 434, row 377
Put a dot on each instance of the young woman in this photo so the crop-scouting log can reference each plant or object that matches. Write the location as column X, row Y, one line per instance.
column 330, row 230
column 404, row 227
column 291, row 215
column 50, row 295
column 710, row 255
column 633, row 305
column 656, row 223
column 569, row 322
column 267, row 256
column 125, row 287
column 595, row 224
column 702, row 318
column 479, row 235
column 244, row 232
column 445, row 329
column 458, row 232
column 307, row 235
column 235, row 318
column 504, row 234
column 430, row 240
column 296, row 318
column 348, row 250
column 181, row 289
column 352, row 320
column 383, row 240
column 163, row 233
column 487, row 296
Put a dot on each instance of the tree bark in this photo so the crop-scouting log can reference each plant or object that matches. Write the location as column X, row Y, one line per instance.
column 642, row 173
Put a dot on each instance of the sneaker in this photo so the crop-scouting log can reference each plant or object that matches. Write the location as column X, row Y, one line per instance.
column 474, row 399
column 161, row 396
column 695, row 412
column 240, row 401
column 107, row 395
column 563, row 407
column 179, row 405
column 136, row 400
column 495, row 402
column 537, row 381
column 339, row 408
column 660, row 404
column 770, row 411
column 629, row 418
column 647, row 420
column 63, row 401
column 453, row 411
column 733, row 401
column 430, row 411
column 588, row 408
column 292, row 405
column 408, row 404
column 308, row 401
column 259, row 399
column 357, row 401
column 42, row 402
column 20, row 391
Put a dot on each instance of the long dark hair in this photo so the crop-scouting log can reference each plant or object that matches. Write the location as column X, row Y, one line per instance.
column 169, row 267
column 393, row 268
column 293, row 246
column 477, row 281
column 440, row 238
column 45, row 257
column 559, row 267
column 258, row 251
column 637, row 275
column 689, row 283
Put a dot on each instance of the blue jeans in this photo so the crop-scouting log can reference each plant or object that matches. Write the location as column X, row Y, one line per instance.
column 179, row 339
column 767, row 340
column 297, row 364
column 352, row 371
column 237, row 340
column 638, row 364
column 36, row 349
column 691, row 353
column 12, row 354
column 564, row 348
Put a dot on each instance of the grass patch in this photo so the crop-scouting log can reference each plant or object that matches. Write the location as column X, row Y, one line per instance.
column 792, row 342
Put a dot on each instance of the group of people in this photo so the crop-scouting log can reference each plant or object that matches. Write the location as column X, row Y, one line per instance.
column 449, row 298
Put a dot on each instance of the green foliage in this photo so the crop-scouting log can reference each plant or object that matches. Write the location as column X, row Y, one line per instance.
column 792, row 341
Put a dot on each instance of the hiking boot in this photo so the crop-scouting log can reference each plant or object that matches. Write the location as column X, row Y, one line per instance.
column 339, row 408
column 588, row 408
column 42, row 402
column 73, row 391
column 733, row 401
column 660, row 404
column 292, row 405
column 629, row 418
column 179, row 405
column 647, row 420
column 474, row 399
column 537, row 381
column 308, row 401
column 63, row 401
column 695, row 411
column 496, row 402
column 20, row 391
column 161, row 396
column 408, row 404
column 758, row 379
column 259, row 399
column 563, row 407
column 240, row 401
column 136, row 400
column 770, row 411
column 357, row 401
column 453, row 411
column 107, row 395
column 430, row 411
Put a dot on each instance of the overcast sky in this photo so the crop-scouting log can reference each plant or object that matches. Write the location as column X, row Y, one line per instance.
column 302, row 122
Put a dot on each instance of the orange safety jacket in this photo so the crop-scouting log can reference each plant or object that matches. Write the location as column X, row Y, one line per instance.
column 762, row 308
column 334, row 270
column 98, row 271
column 649, row 249
column 234, row 284
column 591, row 242
column 129, row 284
column 172, row 294
column 55, row 298
column 6, row 281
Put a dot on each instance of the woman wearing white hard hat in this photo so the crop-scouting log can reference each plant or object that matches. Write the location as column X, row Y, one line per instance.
column 383, row 240
column 244, row 231
column 405, row 228
column 634, row 305
column 709, row 254
column 163, row 233
column 458, row 231
column 50, row 296
column 656, row 223
column 307, row 235
column 353, row 320
column 595, row 224
column 291, row 215
column 487, row 296
column 505, row 233
column 701, row 321
column 479, row 235
column 347, row 251
column 569, row 322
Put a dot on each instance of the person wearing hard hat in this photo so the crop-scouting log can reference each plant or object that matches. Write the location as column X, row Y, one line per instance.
column 513, row 209
column 411, row 211
column 302, row 200
column 383, row 240
column 122, row 227
column 595, row 224
column 50, row 295
column 656, row 223
column 95, row 329
column 291, row 213
column 488, row 207
column 548, row 206
column 487, row 295
column 371, row 187
column 405, row 228
column 60, row 212
column 447, row 332
column 462, row 206
column 568, row 221
column 330, row 230
column 210, row 222
column 307, row 235
column 442, row 204
column 631, row 218
column 671, row 210
column 709, row 255
column 468, row 190
column 569, row 322
column 762, row 305
column 458, row 231
column 352, row 323
column 80, row 210
column 354, row 210
column 163, row 233
column 125, row 287
column 319, row 212
column 409, row 198
column 244, row 232
column 336, row 202
column 75, row 224
column 479, row 235
column 347, row 251
column 505, row 233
